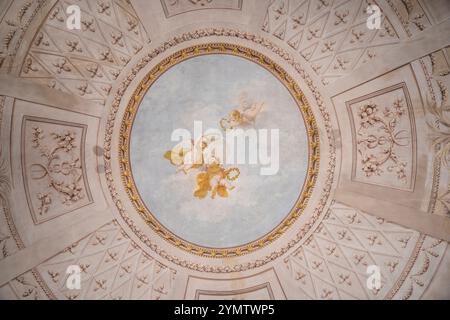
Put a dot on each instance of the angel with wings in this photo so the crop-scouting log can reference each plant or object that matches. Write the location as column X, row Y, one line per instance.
column 245, row 114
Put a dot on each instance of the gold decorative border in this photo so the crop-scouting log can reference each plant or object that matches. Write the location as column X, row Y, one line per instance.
column 125, row 132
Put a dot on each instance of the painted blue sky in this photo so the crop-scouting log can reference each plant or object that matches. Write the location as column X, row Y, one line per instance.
column 207, row 88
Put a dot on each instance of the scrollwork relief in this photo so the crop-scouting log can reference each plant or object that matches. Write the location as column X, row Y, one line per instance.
column 379, row 137
column 384, row 141
column 54, row 168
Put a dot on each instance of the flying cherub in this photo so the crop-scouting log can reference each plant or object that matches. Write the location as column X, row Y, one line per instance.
column 245, row 114
column 217, row 179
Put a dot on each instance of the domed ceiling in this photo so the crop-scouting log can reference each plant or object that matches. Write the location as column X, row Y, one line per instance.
column 116, row 158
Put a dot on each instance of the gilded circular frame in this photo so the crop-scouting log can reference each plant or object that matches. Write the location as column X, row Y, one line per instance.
column 127, row 124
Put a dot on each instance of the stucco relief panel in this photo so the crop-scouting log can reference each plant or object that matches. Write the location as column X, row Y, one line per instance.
column 383, row 138
column 53, row 167
column 85, row 62
column 112, row 267
column 333, row 262
column 331, row 35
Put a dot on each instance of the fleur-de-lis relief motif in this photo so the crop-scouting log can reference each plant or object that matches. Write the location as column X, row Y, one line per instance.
column 313, row 33
column 342, row 234
column 73, row 45
column 54, row 275
column 300, row 276
column 344, row 279
column 322, row 3
column 104, row 7
column 357, row 258
column 430, row 249
column 100, row 284
column 56, row 14
column 106, row 88
column 317, row 265
column 380, row 220
column 40, row 40
column 352, row 218
column 326, row 294
column 341, row 15
column 99, row 239
column 84, row 267
column 106, row 55
column 71, row 248
column 88, row 25
column 132, row 25
column 279, row 10
column 83, row 89
column 404, row 241
column 370, row 55
column 142, row 281
column 117, row 38
column 316, row 67
column 298, row 20
column 94, row 70
column 62, row 65
column 331, row 250
column 374, row 239
column 125, row 60
column 392, row 265
column 328, row 46
column 28, row 66
column 114, row 74
column 357, row 36
column 112, row 256
column 52, row 84
column 126, row 269
column 341, row 63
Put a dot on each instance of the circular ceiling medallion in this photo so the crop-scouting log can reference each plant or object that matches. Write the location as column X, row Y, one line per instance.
column 216, row 206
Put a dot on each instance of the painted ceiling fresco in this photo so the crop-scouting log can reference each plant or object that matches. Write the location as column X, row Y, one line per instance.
column 205, row 89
